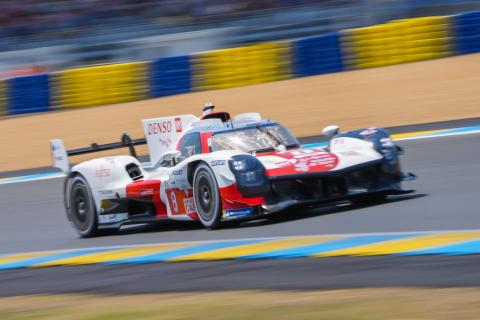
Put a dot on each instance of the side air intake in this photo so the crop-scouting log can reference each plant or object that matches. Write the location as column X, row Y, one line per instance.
column 134, row 171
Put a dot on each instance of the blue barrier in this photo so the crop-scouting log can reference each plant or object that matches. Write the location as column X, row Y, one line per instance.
column 467, row 32
column 173, row 75
column 169, row 76
column 28, row 94
column 317, row 55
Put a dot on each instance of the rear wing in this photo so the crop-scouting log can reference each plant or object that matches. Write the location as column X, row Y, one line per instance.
column 161, row 135
column 60, row 155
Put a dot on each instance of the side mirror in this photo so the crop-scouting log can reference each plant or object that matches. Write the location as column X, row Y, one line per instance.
column 170, row 158
column 330, row 131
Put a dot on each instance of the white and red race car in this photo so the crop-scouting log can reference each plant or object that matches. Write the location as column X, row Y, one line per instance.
column 215, row 168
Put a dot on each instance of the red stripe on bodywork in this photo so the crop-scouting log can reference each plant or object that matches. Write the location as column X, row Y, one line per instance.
column 204, row 136
column 148, row 188
column 300, row 161
column 233, row 199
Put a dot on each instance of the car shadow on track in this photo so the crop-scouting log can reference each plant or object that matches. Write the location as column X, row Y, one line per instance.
column 281, row 217
column 296, row 214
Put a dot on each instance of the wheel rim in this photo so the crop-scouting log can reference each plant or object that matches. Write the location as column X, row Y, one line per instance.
column 205, row 197
column 80, row 206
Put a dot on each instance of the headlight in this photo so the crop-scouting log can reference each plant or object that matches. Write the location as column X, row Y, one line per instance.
column 389, row 150
column 250, row 174
column 239, row 165
column 386, row 142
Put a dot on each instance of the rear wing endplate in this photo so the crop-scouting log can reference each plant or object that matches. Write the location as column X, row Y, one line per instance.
column 60, row 155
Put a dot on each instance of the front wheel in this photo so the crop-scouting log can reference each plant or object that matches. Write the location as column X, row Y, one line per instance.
column 80, row 206
column 207, row 197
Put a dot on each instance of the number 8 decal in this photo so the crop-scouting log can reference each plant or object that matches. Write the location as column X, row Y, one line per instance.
column 173, row 198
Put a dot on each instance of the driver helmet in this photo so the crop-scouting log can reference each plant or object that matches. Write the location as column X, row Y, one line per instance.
column 208, row 108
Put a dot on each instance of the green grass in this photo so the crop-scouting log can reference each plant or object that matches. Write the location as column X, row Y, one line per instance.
column 358, row 304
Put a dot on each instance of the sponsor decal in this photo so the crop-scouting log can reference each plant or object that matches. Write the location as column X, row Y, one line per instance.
column 146, row 192
column 159, row 127
column 102, row 173
column 105, row 192
column 165, row 142
column 177, row 172
column 189, row 205
column 235, row 213
column 178, row 125
column 338, row 141
column 299, row 161
column 349, row 153
column 218, row 163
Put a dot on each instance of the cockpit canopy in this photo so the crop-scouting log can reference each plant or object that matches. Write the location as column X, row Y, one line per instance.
column 259, row 138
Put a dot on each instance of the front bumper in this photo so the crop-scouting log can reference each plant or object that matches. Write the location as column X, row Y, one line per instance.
column 326, row 187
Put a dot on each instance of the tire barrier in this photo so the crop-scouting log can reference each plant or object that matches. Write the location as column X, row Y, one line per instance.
column 394, row 42
column 100, row 85
column 28, row 94
column 317, row 55
column 169, row 76
column 235, row 67
column 467, row 32
column 398, row 41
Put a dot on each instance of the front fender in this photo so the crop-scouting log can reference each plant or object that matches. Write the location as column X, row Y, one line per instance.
column 377, row 139
column 218, row 162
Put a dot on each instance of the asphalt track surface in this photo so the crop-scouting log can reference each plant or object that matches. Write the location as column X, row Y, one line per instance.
column 282, row 274
column 447, row 198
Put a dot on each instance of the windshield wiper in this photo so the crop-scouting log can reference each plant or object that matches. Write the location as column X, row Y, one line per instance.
column 271, row 135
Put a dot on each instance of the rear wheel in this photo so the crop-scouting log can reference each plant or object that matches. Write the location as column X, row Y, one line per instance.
column 80, row 207
column 207, row 197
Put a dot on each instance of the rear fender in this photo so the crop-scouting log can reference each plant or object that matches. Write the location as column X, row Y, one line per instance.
column 107, row 176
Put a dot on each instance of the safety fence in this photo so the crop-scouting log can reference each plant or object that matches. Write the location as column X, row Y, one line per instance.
column 3, row 99
column 99, row 85
column 228, row 68
column 467, row 37
column 395, row 42
column 28, row 94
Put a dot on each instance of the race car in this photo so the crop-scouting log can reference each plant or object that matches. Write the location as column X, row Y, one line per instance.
column 216, row 168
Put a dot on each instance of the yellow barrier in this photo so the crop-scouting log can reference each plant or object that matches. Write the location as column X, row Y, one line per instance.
column 242, row 66
column 105, row 84
column 3, row 98
column 398, row 41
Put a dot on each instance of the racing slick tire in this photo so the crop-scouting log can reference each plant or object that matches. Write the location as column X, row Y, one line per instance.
column 80, row 207
column 207, row 197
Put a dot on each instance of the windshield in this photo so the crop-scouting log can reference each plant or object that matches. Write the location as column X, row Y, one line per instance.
column 254, row 139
